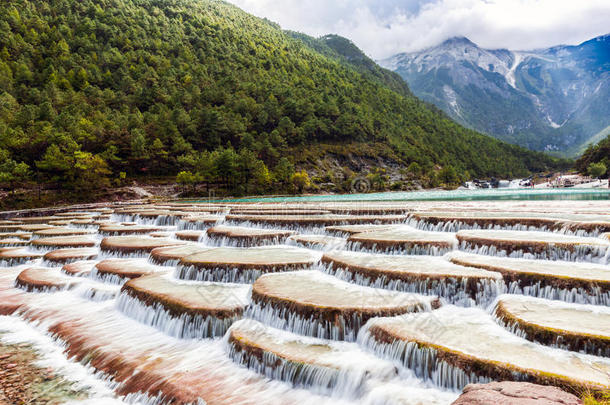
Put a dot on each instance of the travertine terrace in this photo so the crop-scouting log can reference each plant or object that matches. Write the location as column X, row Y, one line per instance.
column 321, row 303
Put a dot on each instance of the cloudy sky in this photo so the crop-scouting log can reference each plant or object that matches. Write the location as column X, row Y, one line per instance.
column 385, row 27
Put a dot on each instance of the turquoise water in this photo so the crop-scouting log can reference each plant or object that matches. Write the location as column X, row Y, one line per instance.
column 431, row 195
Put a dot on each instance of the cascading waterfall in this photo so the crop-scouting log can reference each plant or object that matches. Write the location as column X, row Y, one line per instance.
column 587, row 345
column 457, row 225
column 412, row 249
column 106, row 277
column 161, row 220
column 280, row 317
column 60, row 262
column 96, row 292
column 183, row 225
column 46, row 249
column 460, row 292
column 18, row 243
column 323, row 380
column 166, row 262
column 149, row 353
column 92, row 227
column 299, row 228
column 42, row 289
column 578, row 253
column 593, row 296
column 226, row 241
column 422, row 360
column 17, row 261
column 218, row 274
column 185, row 326
column 167, row 220
column 118, row 254
column 338, row 326
column 320, row 246
column 351, row 374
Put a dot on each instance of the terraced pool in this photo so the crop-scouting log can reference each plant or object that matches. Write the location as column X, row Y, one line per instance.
column 322, row 300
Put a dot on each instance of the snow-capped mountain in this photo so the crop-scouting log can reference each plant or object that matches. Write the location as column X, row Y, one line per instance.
column 554, row 99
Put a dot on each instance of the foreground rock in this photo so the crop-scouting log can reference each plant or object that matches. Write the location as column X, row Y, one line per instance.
column 315, row 304
column 581, row 328
column 184, row 309
column 24, row 382
column 515, row 393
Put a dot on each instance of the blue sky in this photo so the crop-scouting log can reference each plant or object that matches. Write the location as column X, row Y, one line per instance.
column 385, row 27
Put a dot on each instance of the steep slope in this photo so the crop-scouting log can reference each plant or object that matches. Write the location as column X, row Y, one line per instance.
column 599, row 153
column 346, row 52
column 91, row 88
column 552, row 99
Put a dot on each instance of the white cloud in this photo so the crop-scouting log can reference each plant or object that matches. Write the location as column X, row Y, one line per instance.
column 385, row 27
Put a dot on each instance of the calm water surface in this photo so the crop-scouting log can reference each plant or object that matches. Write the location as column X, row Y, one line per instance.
column 431, row 195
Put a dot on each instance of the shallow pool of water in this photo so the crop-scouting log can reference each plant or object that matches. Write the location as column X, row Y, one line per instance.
column 430, row 195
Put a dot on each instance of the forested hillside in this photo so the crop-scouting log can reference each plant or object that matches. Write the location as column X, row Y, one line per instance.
column 596, row 159
column 94, row 92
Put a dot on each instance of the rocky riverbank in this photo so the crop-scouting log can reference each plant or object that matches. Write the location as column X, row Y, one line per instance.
column 22, row 382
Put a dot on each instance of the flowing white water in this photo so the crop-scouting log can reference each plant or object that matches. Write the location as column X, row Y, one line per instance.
column 218, row 274
column 14, row 330
column 460, row 292
column 595, row 296
column 186, row 326
column 109, row 332
column 143, row 354
column 446, row 330
column 411, row 249
column 594, row 342
column 455, row 225
column 593, row 254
